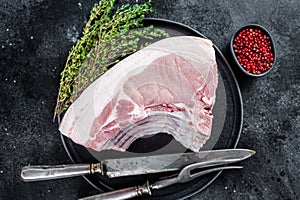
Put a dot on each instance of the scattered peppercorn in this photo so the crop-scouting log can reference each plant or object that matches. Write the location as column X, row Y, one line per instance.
column 253, row 50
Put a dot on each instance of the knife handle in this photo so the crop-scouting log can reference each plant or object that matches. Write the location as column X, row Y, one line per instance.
column 48, row 172
column 122, row 194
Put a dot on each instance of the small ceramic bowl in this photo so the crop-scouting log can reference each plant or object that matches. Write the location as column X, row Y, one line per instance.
column 250, row 72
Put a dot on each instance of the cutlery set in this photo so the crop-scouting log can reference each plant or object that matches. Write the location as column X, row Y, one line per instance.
column 188, row 165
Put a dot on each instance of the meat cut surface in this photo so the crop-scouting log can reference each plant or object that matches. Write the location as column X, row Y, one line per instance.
column 169, row 86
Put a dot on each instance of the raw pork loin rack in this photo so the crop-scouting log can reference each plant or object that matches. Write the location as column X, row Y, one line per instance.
column 169, row 86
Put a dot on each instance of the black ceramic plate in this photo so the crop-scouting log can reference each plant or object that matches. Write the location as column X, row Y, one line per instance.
column 228, row 114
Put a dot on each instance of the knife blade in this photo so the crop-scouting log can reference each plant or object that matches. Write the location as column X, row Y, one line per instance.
column 136, row 165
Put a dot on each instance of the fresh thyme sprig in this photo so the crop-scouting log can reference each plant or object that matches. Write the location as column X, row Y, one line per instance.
column 100, row 29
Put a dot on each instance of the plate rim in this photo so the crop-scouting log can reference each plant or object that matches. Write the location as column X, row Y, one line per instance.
column 162, row 20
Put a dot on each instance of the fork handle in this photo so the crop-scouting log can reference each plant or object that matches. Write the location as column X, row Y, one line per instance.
column 126, row 193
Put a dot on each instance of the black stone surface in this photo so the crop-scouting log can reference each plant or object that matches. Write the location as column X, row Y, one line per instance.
column 35, row 37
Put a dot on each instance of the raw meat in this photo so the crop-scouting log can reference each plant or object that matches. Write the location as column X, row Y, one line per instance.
column 168, row 86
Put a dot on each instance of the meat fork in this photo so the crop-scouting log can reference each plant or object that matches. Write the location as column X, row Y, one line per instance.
column 185, row 175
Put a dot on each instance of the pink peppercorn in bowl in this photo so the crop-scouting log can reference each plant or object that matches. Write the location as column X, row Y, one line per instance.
column 253, row 50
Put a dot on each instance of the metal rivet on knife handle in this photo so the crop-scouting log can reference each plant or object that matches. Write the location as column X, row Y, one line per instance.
column 95, row 168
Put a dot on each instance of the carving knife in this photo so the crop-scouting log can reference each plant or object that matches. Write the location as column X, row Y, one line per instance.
column 136, row 165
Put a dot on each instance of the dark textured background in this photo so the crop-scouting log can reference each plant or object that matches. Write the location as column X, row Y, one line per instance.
column 35, row 37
